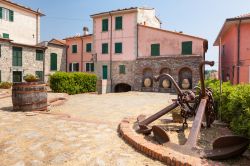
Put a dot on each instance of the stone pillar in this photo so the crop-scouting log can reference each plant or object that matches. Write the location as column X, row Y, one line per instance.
column 103, row 86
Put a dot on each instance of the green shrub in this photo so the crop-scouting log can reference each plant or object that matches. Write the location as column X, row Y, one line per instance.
column 235, row 105
column 5, row 85
column 73, row 83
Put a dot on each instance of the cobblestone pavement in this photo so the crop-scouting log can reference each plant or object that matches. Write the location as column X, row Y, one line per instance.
column 90, row 140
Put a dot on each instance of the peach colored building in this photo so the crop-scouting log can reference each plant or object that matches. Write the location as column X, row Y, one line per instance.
column 129, row 47
column 233, row 41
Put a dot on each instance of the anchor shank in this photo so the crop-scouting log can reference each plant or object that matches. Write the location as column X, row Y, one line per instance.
column 158, row 114
column 193, row 135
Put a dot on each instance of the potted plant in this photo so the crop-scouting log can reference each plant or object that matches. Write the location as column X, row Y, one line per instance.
column 30, row 78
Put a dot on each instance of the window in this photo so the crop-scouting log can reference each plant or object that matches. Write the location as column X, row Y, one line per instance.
column 53, row 61
column 39, row 74
column 88, row 47
column 122, row 69
column 105, row 25
column 17, row 56
column 90, row 67
column 155, row 49
column 118, row 48
column 74, row 48
column 187, row 48
column 6, row 14
column 39, row 55
column 6, row 35
column 73, row 67
column 118, row 23
column 105, row 48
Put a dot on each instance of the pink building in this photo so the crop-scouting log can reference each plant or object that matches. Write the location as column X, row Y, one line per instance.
column 233, row 41
column 79, row 53
column 129, row 48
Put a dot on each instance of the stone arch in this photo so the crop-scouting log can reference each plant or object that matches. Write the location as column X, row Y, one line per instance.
column 147, row 78
column 185, row 76
column 165, row 82
column 122, row 87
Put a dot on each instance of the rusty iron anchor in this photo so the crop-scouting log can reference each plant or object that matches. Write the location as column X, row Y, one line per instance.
column 223, row 147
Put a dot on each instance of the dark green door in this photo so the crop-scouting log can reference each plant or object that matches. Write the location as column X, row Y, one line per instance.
column 104, row 72
column 17, row 76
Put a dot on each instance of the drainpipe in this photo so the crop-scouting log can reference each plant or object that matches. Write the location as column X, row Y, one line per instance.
column 67, row 58
column 238, row 54
column 81, row 68
column 137, row 34
column 111, row 36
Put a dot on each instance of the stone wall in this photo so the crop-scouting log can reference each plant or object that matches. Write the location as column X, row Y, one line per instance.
column 61, row 59
column 175, row 64
column 6, row 62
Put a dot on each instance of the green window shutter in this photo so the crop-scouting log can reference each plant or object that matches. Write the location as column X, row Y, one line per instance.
column 53, row 61
column 88, row 47
column 70, row 67
column 17, row 56
column 39, row 75
column 187, row 48
column 104, row 72
column 118, row 23
column 105, row 25
column 11, row 15
column 74, row 48
column 105, row 48
column 122, row 69
column 6, row 35
column 155, row 49
column 1, row 12
column 92, row 67
column 39, row 55
column 87, row 66
column 118, row 47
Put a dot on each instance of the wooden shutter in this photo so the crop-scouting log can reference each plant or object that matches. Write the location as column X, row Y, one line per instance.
column 53, row 61
column 118, row 47
column 104, row 72
column 1, row 12
column 122, row 69
column 70, row 67
column 92, row 67
column 88, row 47
column 17, row 56
column 6, row 35
column 11, row 15
column 187, row 48
column 87, row 66
column 74, row 48
column 105, row 48
column 105, row 25
column 77, row 66
column 155, row 49
column 39, row 55
column 118, row 23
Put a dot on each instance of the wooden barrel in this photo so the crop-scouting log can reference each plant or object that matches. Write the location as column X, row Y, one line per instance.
column 29, row 96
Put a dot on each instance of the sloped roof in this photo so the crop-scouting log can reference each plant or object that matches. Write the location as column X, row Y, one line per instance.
column 57, row 42
column 227, row 25
column 22, row 7
column 77, row 37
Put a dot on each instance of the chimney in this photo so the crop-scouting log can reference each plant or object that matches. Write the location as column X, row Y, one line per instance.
column 85, row 31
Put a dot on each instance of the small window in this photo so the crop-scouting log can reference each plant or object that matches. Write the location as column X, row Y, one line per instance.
column 88, row 47
column 74, row 67
column 53, row 62
column 155, row 49
column 187, row 48
column 74, row 48
column 122, row 69
column 90, row 67
column 39, row 74
column 118, row 48
column 105, row 25
column 105, row 48
column 11, row 16
column 118, row 23
column 6, row 35
column 39, row 55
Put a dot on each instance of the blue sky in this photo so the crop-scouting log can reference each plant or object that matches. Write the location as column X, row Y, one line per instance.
column 202, row 18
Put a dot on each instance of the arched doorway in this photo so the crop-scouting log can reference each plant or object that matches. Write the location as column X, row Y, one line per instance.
column 122, row 87
column 185, row 78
